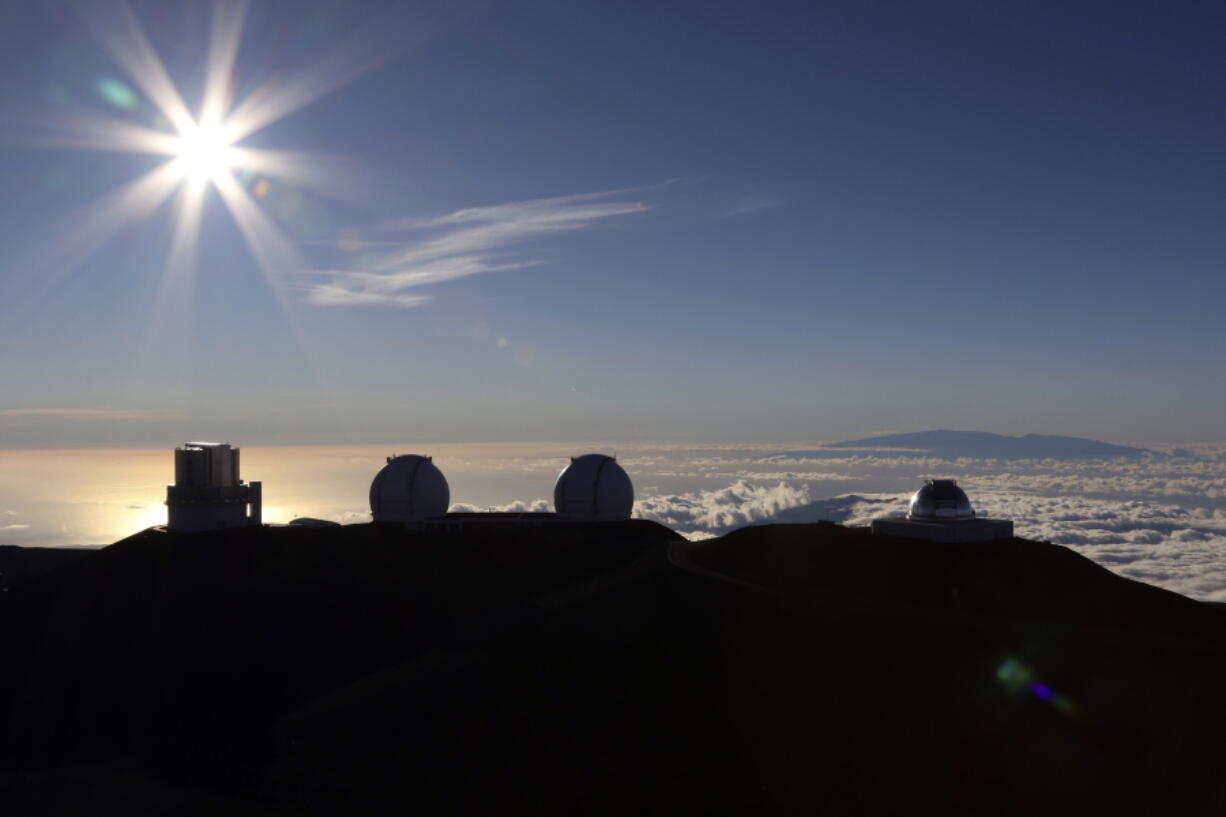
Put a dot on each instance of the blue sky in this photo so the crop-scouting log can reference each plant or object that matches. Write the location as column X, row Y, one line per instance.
column 663, row 221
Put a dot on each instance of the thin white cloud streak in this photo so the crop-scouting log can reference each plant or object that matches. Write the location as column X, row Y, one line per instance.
column 467, row 242
column 557, row 208
column 330, row 295
column 82, row 413
column 447, row 269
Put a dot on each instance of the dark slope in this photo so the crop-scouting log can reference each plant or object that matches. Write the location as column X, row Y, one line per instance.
column 983, row 445
column 607, row 669
column 187, row 648
column 890, row 676
column 21, row 565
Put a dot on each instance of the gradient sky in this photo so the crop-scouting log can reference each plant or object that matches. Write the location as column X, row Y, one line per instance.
column 658, row 220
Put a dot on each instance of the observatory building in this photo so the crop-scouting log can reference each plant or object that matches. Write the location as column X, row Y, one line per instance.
column 207, row 493
column 409, row 488
column 941, row 512
column 593, row 486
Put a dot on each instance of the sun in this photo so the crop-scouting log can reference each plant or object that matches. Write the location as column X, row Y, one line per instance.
column 204, row 152
column 203, row 149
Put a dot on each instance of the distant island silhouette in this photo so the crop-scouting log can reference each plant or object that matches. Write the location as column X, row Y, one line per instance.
column 521, row 664
column 945, row 444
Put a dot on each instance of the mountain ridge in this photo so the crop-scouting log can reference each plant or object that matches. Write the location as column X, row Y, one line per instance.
column 953, row 444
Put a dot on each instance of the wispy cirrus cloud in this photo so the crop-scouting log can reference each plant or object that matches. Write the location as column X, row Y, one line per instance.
column 81, row 413
column 468, row 242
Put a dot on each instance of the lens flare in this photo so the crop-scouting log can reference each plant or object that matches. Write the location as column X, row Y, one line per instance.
column 202, row 148
column 1016, row 677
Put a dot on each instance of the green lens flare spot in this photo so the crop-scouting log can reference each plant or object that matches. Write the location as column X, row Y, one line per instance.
column 117, row 93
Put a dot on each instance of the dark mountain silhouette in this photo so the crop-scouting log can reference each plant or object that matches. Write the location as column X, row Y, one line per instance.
column 19, row 565
column 979, row 444
column 531, row 666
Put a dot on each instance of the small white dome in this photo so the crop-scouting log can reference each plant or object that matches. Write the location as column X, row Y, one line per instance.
column 408, row 487
column 594, row 485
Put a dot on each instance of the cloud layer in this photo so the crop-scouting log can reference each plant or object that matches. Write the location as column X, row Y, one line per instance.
column 1160, row 518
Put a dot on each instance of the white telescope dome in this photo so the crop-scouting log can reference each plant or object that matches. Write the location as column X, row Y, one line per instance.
column 408, row 487
column 595, row 486
column 940, row 499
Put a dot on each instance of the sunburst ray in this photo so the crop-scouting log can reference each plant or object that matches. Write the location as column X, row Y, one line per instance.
column 117, row 30
column 201, row 152
column 74, row 239
column 224, row 38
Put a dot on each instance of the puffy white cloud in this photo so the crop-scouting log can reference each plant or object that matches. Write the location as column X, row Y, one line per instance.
column 347, row 517
column 518, row 506
column 723, row 509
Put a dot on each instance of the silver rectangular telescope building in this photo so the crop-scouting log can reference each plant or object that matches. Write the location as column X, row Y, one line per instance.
column 207, row 493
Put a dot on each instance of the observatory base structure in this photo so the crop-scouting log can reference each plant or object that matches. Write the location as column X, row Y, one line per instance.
column 948, row 532
column 942, row 512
